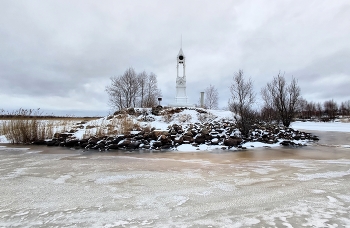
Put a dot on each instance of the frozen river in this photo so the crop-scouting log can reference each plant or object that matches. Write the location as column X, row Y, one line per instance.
column 304, row 187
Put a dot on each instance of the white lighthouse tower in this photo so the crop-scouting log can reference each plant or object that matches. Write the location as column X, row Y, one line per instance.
column 181, row 97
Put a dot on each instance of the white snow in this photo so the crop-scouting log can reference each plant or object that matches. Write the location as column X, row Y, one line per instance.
column 325, row 175
column 3, row 139
column 62, row 179
column 321, row 126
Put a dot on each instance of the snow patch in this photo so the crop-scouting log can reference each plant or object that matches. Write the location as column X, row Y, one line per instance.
column 317, row 191
column 326, row 175
column 62, row 179
column 322, row 126
column 223, row 186
column 332, row 199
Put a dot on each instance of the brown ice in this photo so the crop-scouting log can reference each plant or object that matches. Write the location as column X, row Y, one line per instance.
column 279, row 187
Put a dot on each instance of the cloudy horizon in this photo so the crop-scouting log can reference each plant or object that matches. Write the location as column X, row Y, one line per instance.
column 59, row 55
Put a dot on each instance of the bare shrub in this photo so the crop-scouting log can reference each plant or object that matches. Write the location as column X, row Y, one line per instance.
column 202, row 117
column 121, row 124
column 183, row 118
column 126, row 125
column 211, row 116
column 167, row 118
column 282, row 97
column 205, row 117
column 242, row 99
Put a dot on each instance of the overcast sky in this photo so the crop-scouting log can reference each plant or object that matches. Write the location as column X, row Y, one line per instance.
column 59, row 55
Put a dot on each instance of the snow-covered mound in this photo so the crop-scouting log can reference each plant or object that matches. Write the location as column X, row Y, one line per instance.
column 181, row 129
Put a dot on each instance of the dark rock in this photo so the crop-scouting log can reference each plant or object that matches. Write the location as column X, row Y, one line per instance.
column 178, row 140
column 230, row 142
column 314, row 137
column 157, row 144
column 187, row 138
column 199, row 139
column 165, row 139
column 134, row 145
column 205, row 131
column 286, row 143
column 72, row 143
column 157, row 110
column 166, row 147
column 124, row 143
column 52, row 143
column 39, row 142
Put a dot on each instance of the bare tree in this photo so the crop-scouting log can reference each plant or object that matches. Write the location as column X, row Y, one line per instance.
column 310, row 110
column 151, row 91
column 211, row 97
column 142, row 78
column 330, row 108
column 131, row 90
column 345, row 108
column 301, row 106
column 282, row 97
column 306, row 109
column 242, row 99
column 269, row 115
column 319, row 110
column 123, row 90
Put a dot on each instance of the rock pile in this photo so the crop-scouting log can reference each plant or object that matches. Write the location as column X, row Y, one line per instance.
column 221, row 133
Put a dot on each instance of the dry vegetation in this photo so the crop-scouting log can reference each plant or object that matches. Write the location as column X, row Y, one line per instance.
column 28, row 125
column 113, row 125
column 25, row 126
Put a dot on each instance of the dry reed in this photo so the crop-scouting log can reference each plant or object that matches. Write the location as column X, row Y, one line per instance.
column 24, row 127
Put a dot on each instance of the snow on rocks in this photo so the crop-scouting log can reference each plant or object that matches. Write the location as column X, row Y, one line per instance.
column 170, row 128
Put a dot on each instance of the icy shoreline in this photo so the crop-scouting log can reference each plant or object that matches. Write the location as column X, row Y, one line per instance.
column 182, row 130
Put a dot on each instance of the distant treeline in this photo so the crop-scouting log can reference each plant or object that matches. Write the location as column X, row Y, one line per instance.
column 37, row 114
column 41, row 117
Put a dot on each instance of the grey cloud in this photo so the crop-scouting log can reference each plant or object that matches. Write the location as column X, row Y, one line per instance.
column 70, row 49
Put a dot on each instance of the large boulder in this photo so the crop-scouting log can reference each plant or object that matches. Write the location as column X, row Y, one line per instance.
column 124, row 143
column 165, row 139
column 156, row 144
column 113, row 146
column 187, row 139
column 134, row 145
column 39, row 142
column 199, row 139
column 72, row 143
column 178, row 140
column 157, row 110
column 232, row 142
column 215, row 141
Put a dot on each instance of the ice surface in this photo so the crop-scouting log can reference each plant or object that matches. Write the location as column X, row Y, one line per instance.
column 62, row 179
column 174, row 190
column 322, row 126
column 325, row 175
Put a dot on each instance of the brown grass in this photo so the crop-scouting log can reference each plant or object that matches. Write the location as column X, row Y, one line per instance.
column 26, row 128
column 28, row 125
column 113, row 125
